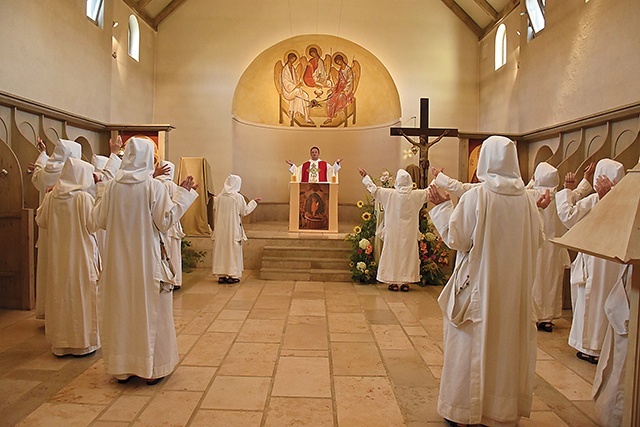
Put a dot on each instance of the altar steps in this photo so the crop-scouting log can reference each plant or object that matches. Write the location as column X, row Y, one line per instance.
column 307, row 259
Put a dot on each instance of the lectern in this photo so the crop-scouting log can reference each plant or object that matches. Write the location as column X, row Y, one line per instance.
column 313, row 207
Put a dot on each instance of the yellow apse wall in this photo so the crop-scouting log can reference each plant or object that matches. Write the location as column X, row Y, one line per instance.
column 256, row 97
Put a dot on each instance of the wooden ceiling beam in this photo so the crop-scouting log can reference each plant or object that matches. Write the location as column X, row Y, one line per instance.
column 171, row 7
column 505, row 12
column 133, row 4
column 488, row 9
column 460, row 13
column 143, row 3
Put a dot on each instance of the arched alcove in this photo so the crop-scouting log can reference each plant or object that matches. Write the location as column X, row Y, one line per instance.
column 87, row 151
column 325, row 68
column 594, row 145
column 261, row 142
column 542, row 155
column 4, row 132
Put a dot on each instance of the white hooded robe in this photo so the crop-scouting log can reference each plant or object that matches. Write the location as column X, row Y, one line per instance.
column 609, row 383
column 45, row 175
column 71, row 324
column 400, row 259
column 591, row 278
column 228, row 234
column 489, row 331
column 173, row 237
column 137, row 332
column 552, row 259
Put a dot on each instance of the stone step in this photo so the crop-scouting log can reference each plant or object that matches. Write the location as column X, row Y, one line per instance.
column 305, row 275
column 309, row 242
column 305, row 252
column 305, row 263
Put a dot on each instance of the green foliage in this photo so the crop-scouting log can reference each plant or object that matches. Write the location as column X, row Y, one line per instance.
column 190, row 257
column 434, row 254
column 361, row 261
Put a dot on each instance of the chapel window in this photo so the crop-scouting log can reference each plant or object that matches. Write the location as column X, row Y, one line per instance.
column 535, row 11
column 501, row 46
column 134, row 38
column 95, row 11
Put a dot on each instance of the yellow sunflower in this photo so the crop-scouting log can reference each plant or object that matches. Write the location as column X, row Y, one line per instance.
column 366, row 216
column 357, row 229
column 360, row 204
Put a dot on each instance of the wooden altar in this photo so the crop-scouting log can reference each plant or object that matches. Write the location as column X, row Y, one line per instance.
column 313, row 207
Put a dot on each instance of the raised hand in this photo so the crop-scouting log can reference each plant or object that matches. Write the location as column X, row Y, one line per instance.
column 435, row 197
column 116, row 145
column 189, row 183
column 570, row 181
column 258, row 199
column 41, row 146
column 161, row 170
column 435, row 171
column 544, row 200
column 589, row 171
column 603, row 185
column 362, row 172
column 289, row 162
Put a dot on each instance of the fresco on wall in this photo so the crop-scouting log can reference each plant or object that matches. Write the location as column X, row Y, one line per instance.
column 316, row 90
column 316, row 81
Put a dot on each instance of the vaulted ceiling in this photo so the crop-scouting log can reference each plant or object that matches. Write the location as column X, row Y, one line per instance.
column 480, row 16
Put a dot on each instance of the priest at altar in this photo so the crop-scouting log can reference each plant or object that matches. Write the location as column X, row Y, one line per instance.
column 314, row 169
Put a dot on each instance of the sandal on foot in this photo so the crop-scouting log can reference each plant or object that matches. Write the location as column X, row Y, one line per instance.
column 545, row 326
column 85, row 355
column 393, row 288
column 154, row 381
column 453, row 423
column 222, row 279
column 232, row 280
column 125, row 380
column 405, row 288
column 588, row 358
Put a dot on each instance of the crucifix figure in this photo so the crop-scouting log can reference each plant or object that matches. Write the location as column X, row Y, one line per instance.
column 424, row 132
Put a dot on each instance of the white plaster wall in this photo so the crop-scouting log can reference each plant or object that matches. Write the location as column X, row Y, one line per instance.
column 132, row 82
column 51, row 53
column 585, row 61
column 205, row 45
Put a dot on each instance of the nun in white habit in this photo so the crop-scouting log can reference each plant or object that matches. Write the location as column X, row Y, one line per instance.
column 173, row 237
column 552, row 259
column 105, row 169
column 137, row 332
column 592, row 278
column 609, row 383
column 489, row 331
column 71, row 324
column 400, row 259
column 228, row 234
column 45, row 175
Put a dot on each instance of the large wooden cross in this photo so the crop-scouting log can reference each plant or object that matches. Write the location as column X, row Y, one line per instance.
column 424, row 132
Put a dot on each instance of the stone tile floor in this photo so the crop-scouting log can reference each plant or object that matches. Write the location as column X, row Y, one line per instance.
column 269, row 353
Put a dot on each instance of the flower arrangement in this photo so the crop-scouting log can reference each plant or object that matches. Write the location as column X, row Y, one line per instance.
column 434, row 254
column 361, row 261
column 386, row 180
